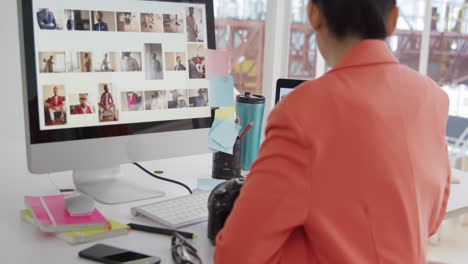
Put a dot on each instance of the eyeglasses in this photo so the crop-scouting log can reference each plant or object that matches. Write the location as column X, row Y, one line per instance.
column 183, row 252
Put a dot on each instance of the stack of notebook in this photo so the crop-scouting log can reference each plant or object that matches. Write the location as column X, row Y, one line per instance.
column 49, row 213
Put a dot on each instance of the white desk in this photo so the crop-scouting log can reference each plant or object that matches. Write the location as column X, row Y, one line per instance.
column 23, row 243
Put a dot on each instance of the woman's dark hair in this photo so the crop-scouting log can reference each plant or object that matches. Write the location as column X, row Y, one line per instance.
column 362, row 18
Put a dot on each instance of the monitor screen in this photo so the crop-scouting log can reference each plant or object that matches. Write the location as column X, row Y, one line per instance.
column 284, row 87
column 116, row 67
column 283, row 92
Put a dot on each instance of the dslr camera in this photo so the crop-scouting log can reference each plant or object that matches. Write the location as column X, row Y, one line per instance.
column 220, row 204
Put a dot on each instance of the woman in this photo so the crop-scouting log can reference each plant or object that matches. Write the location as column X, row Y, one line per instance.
column 354, row 167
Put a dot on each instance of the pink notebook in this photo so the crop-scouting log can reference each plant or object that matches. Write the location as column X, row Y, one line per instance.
column 51, row 215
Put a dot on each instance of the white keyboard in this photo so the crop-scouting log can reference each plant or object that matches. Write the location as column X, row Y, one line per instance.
column 178, row 212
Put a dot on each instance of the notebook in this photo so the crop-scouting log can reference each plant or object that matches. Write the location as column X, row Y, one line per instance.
column 79, row 237
column 51, row 215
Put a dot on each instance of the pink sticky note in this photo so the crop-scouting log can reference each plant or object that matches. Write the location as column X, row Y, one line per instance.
column 217, row 62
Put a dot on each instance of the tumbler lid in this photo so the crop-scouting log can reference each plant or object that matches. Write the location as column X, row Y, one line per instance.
column 249, row 98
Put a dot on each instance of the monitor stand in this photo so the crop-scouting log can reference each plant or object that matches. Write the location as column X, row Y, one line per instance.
column 107, row 186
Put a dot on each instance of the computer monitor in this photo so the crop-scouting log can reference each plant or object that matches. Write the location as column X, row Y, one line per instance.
column 284, row 87
column 108, row 82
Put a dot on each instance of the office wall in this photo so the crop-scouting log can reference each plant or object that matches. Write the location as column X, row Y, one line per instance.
column 12, row 143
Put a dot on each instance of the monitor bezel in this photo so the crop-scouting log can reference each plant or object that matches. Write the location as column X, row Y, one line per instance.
column 38, row 136
column 286, row 84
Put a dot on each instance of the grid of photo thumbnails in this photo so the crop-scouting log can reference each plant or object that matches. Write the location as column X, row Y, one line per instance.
column 102, row 105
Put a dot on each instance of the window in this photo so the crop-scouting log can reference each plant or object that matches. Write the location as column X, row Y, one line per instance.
column 406, row 42
column 448, row 59
column 303, row 48
column 240, row 28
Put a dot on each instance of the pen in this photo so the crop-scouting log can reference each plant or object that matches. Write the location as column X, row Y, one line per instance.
column 161, row 231
column 249, row 126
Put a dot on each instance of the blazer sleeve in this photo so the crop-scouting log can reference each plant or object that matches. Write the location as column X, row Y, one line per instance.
column 445, row 182
column 272, row 203
column 443, row 207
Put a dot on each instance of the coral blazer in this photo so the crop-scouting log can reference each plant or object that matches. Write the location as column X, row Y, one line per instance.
column 79, row 111
column 53, row 103
column 110, row 100
column 354, row 169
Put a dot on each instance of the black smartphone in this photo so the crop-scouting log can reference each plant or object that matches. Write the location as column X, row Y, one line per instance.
column 112, row 255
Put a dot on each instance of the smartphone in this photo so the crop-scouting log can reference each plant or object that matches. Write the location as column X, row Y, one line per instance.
column 112, row 255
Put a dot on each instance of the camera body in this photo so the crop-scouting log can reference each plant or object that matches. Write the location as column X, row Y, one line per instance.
column 220, row 204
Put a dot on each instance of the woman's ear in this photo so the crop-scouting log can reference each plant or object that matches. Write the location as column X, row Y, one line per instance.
column 315, row 17
column 392, row 21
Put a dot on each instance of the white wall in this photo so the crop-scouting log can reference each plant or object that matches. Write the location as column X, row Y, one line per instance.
column 12, row 139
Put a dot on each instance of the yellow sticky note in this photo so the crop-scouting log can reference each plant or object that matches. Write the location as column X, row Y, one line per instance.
column 224, row 113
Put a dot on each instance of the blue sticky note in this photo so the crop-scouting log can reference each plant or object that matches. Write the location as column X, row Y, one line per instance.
column 211, row 143
column 221, row 93
column 217, row 147
column 226, row 133
column 223, row 135
column 208, row 184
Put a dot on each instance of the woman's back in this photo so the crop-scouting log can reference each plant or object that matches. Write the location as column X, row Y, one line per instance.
column 366, row 174
column 382, row 150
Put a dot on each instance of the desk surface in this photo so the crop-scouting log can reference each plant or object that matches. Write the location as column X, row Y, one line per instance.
column 25, row 244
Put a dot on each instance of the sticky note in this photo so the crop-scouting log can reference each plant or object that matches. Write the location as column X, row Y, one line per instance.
column 224, row 113
column 208, row 184
column 211, row 143
column 221, row 91
column 215, row 124
column 217, row 62
column 223, row 135
column 226, row 133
